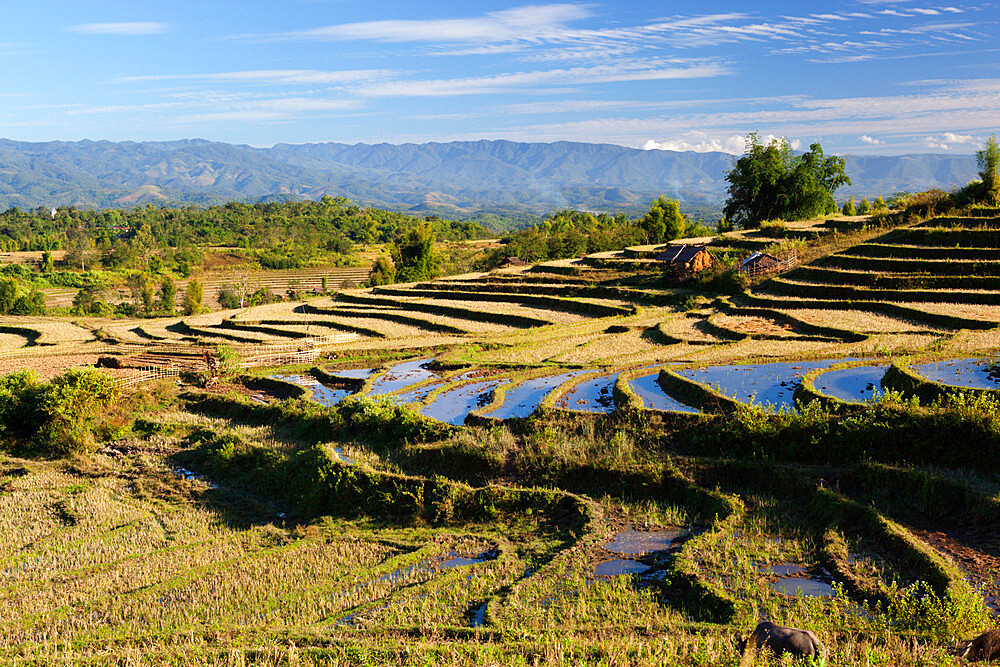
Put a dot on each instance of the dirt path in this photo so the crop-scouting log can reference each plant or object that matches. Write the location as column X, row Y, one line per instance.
column 976, row 552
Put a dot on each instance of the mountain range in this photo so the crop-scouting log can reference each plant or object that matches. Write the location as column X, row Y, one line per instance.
column 456, row 179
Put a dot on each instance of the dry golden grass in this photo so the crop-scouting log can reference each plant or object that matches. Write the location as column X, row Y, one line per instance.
column 752, row 325
column 856, row 320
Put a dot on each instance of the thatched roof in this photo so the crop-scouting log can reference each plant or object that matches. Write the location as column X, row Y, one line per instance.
column 681, row 254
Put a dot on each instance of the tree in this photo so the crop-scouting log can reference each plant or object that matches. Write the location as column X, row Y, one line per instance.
column 879, row 205
column 193, row 296
column 663, row 222
column 865, row 208
column 988, row 161
column 849, row 208
column 415, row 257
column 382, row 273
column 168, row 294
column 769, row 182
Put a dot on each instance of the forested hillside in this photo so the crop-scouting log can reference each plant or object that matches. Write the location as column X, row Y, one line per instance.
column 457, row 179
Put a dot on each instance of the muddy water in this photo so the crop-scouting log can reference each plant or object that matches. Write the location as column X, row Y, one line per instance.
column 856, row 385
column 453, row 406
column 322, row 394
column 762, row 384
column 967, row 373
column 653, row 397
column 523, row 399
column 402, row 375
column 595, row 395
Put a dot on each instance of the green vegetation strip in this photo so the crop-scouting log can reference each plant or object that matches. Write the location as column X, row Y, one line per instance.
column 901, row 378
column 937, row 320
column 813, row 291
column 696, row 394
column 551, row 303
column 973, row 238
column 878, row 280
column 329, row 324
column 805, row 330
column 399, row 318
column 519, row 321
column 568, row 291
column 945, row 266
column 913, row 254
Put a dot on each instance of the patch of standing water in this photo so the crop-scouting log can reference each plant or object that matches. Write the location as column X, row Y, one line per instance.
column 402, row 375
column 523, row 399
column 858, row 384
column 653, row 396
column 771, row 384
column 967, row 373
column 477, row 616
column 353, row 373
column 641, row 542
column 322, row 394
column 453, row 406
column 596, row 395
column 618, row 567
column 802, row 587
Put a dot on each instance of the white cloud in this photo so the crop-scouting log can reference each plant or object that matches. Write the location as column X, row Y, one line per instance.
column 271, row 76
column 700, row 142
column 519, row 23
column 953, row 138
column 561, row 77
column 121, row 28
column 870, row 140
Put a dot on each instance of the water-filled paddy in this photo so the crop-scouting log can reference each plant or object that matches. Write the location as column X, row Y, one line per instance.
column 353, row 373
column 322, row 394
column 596, row 395
column 402, row 375
column 618, row 567
column 858, row 384
column 454, row 405
column 523, row 399
column 653, row 396
column 802, row 587
column 771, row 384
column 640, row 542
column 967, row 373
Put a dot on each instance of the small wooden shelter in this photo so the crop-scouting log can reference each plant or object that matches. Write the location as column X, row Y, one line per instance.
column 515, row 261
column 762, row 263
column 684, row 261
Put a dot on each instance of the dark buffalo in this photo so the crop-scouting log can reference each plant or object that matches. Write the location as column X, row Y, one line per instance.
column 780, row 640
column 984, row 647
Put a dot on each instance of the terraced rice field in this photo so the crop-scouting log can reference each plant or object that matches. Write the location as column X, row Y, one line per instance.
column 566, row 486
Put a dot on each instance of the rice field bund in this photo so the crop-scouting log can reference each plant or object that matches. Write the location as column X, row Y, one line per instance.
column 567, row 463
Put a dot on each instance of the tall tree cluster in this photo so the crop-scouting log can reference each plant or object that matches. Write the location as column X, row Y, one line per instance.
column 771, row 182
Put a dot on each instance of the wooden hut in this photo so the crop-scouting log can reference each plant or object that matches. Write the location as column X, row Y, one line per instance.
column 515, row 261
column 684, row 261
column 762, row 263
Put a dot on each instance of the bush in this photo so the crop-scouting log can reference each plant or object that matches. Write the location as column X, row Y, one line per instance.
column 59, row 416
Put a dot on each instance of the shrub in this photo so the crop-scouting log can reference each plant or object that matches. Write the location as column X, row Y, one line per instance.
column 56, row 417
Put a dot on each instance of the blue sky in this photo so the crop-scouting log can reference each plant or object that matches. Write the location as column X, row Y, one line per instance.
column 870, row 76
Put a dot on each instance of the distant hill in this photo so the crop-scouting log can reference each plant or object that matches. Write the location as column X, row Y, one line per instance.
column 457, row 179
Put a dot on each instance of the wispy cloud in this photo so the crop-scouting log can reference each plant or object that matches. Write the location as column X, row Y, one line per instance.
column 639, row 71
column 121, row 28
column 269, row 76
column 520, row 23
